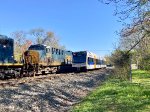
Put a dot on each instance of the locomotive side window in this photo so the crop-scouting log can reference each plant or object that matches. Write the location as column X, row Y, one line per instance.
column 56, row 51
column 53, row 50
column 47, row 50
column 59, row 51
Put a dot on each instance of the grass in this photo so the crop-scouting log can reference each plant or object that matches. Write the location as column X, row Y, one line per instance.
column 119, row 96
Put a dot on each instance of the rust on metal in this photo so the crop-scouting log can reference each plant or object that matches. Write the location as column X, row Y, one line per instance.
column 31, row 57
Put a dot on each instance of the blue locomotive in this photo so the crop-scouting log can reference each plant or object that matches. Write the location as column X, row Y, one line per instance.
column 42, row 58
column 6, row 50
column 8, row 65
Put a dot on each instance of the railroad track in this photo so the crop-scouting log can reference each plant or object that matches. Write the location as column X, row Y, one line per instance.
column 15, row 82
column 36, row 78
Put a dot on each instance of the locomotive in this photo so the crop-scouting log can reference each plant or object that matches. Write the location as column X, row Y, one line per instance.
column 44, row 59
column 9, row 67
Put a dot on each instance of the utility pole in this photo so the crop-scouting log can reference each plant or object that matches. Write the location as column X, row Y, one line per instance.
column 130, row 72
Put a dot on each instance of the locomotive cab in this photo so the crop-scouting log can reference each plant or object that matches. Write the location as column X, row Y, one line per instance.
column 32, row 58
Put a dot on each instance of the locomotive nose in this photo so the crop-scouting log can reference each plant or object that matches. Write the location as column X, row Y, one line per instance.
column 31, row 57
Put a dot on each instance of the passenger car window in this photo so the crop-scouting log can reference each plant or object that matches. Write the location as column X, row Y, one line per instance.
column 90, row 60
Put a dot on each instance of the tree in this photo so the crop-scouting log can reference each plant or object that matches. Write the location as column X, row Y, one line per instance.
column 121, row 61
column 38, row 34
column 136, row 34
column 135, row 14
column 130, row 9
column 138, row 12
column 45, row 37
column 21, row 44
column 51, row 40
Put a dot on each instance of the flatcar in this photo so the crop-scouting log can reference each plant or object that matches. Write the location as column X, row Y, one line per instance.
column 85, row 60
column 42, row 58
column 9, row 67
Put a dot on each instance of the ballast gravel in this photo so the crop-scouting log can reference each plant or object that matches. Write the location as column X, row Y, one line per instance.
column 45, row 95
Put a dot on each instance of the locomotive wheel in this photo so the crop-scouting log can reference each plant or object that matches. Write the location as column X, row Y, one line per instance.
column 16, row 74
column 31, row 74
column 2, row 76
column 43, row 73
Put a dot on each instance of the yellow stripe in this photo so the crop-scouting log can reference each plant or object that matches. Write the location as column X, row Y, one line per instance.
column 11, row 64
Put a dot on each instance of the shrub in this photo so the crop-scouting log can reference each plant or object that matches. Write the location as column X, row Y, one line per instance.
column 145, row 63
column 121, row 61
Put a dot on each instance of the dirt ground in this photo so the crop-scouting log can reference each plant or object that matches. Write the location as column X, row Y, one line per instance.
column 45, row 95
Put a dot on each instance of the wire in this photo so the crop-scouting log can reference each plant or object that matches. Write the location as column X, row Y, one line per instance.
column 99, row 50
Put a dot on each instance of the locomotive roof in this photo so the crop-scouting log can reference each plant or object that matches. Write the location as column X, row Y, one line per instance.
column 46, row 46
column 5, row 37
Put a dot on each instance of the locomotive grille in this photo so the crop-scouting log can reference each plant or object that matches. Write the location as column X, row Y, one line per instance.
column 31, row 57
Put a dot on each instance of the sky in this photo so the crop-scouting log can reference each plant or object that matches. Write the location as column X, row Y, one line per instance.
column 79, row 24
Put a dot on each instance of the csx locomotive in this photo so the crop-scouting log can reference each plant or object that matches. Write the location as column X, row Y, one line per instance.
column 42, row 59
column 8, row 65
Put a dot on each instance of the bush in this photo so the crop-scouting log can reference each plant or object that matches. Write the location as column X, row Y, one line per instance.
column 121, row 61
column 145, row 63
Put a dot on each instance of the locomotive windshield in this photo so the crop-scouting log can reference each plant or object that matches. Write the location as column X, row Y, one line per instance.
column 37, row 47
column 79, row 57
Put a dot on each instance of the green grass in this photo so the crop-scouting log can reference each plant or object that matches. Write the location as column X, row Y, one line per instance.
column 119, row 96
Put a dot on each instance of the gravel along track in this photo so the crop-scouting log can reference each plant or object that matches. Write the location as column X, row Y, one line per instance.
column 47, row 94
